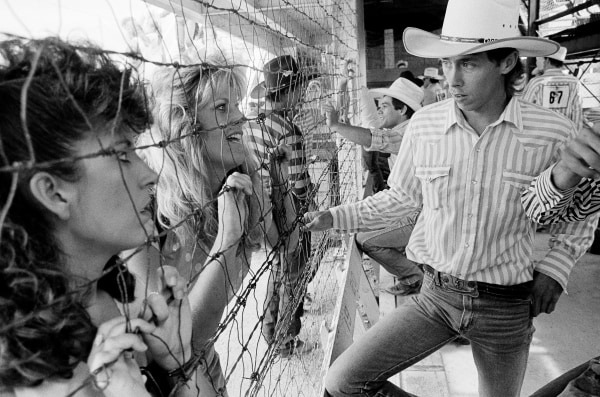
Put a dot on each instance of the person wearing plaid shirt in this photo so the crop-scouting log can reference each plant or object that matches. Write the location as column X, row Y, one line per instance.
column 465, row 161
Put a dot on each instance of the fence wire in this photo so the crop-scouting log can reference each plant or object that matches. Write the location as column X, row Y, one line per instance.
column 167, row 39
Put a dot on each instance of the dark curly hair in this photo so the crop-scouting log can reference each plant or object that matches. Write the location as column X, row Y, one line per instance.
column 66, row 94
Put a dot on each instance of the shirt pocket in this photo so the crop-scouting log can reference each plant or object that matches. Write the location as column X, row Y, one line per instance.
column 513, row 185
column 434, row 185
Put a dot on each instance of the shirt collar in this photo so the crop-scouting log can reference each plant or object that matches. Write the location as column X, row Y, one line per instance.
column 401, row 126
column 511, row 114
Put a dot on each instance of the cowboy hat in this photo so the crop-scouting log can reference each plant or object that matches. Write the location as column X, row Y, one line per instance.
column 403, row 90
column 560, row 55
column 280, row 73
column 472, row 26
column 432, row 73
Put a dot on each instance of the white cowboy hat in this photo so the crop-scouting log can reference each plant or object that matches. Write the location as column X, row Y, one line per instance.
column 472, row 26
column 403, row 90
column 560, row 55
column 432, row 73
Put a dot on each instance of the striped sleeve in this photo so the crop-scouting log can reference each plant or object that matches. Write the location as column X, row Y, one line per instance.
column 568, row 242
column 387, row 141
column 545, row 204
column 387, row 206
column 291, row 135
column 258, row 141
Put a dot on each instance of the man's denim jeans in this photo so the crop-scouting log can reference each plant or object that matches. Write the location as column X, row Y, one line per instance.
column 499, row 328
column 387, row 245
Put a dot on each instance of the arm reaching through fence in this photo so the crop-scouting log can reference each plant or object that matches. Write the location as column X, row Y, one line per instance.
column 318, row 221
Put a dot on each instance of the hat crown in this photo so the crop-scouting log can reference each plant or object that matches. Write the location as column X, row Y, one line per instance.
column 487, row 21
column 560, row 55
column 280, row 72
column 281, row 64
column 408, row 89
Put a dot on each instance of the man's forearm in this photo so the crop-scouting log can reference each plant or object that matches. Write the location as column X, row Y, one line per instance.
column 359, row 135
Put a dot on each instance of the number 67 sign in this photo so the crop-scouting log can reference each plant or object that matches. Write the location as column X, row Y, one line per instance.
column 555, row 96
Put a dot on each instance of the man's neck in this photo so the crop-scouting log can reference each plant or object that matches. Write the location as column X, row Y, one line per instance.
column 479, row 119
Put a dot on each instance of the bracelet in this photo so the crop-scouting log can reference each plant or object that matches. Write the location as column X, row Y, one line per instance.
column 185, row 371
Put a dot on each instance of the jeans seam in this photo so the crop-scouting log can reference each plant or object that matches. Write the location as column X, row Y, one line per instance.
column 416, row 359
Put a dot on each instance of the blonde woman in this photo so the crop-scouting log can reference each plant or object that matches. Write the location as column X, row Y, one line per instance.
column 197, row 117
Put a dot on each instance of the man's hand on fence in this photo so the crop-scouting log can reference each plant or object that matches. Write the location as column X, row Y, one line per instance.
column 318, row 221
column 331, row 113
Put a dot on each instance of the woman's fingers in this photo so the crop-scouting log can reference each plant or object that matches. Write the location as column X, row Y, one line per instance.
column 158, row 307
column 120, row 325
column 240, row 182
column 113, row 338
column 172, row 283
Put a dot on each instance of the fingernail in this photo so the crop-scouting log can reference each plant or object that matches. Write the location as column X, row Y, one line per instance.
column 173, row 280
column 98, row 340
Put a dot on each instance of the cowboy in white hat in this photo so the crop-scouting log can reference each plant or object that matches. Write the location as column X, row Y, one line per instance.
column 397, row 104
column 466, row 162
column 432, row 88
column 556, row 89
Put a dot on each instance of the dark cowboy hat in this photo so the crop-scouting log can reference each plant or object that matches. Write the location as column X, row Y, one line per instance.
column 280, row 73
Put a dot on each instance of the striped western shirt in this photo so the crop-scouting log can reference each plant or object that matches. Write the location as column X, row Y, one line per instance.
column 472, row 224
column 545, row 204
column 264, row 136
column 388, row 140
column 557, row 91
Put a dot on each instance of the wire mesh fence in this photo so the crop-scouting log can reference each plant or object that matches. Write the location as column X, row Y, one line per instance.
column 261, row 290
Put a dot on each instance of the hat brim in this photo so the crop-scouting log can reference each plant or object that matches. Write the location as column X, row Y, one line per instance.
column 261, row 90
column 394, row 94
column 432, row 77
column 425, row 44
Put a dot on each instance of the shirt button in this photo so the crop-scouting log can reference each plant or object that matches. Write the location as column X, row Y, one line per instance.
column 473, row 181
column 470, row 216
column 466, row 244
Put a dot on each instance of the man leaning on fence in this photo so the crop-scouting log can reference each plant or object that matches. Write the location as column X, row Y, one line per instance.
column 282, row 89
column 387, row 245
column 465, row 160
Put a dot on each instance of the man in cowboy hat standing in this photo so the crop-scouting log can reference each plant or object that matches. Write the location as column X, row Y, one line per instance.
column 386, row 245
column 282, row 89
column 431, row 86
column 556, row 89
column 465, row 162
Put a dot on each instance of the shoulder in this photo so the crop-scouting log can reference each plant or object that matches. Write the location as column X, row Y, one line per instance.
column 535, row 83
column 433, row 113
column 541, row 120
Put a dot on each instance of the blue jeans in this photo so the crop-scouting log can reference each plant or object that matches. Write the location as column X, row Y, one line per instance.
column 499, row 327
column 387, row 245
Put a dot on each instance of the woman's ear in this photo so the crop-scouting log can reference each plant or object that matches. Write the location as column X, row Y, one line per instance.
column 53, row 193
